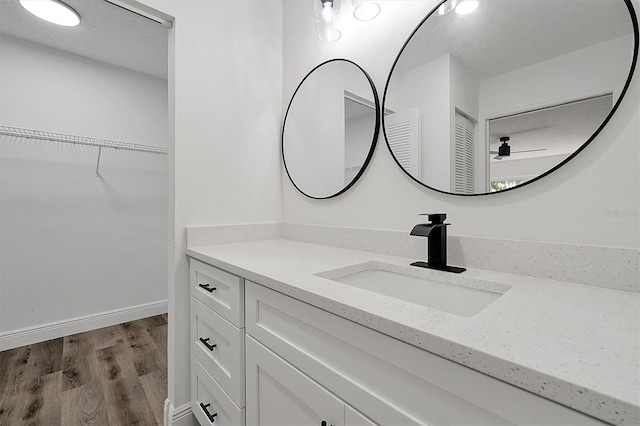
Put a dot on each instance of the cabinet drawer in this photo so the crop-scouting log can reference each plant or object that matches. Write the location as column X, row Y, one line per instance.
column 219, row 346
column 220, row 291
column 360, row 365
column 208, row 397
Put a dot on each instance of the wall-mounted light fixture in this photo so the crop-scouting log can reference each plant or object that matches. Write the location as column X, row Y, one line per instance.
column 447, row 7
column 325, row 12
column 465, row 7
column 462, row 7
column 53, row 11
column 365, row 10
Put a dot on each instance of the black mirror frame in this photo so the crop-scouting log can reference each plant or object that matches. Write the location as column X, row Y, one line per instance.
column 634, row 22
column 374, row 142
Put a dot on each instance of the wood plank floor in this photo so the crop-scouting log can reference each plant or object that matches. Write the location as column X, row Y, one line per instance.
column 108, row 377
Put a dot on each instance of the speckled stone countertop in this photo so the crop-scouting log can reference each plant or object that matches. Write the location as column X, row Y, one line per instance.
column 574, row 344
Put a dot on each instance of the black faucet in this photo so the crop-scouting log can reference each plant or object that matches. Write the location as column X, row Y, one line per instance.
column 436, row 232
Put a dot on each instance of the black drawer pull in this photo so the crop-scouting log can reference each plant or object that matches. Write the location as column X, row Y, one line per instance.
column 211, row 417
column 323, row 423
column 206, row 343
column 206, row 287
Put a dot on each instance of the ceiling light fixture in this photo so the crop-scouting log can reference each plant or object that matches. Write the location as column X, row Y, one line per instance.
column 53, row 11
column 466, row 7
column 365, row 10
column 325, row 12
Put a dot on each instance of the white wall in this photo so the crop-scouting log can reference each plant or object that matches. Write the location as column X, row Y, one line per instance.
column 358, row 133
column 464, row 91
column 48, row 89
column 72, row 244
column 225, row 78
column 426, row 87
column 538, row 212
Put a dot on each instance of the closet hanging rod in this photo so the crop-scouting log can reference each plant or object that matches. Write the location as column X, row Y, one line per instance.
column 78, row 140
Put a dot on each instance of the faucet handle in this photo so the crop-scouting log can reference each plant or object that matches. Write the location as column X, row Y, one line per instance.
column 435, row 218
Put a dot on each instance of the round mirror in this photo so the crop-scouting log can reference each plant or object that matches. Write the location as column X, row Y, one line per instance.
column 330, row 129
column 489, row 95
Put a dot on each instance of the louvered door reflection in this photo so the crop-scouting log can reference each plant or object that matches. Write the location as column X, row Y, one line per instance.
column 464, row 155
column 403, row 135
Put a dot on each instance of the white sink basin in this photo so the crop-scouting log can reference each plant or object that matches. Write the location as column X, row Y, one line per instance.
column 459, row 295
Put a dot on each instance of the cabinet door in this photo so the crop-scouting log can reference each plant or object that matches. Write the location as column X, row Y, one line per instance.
column 278, row 394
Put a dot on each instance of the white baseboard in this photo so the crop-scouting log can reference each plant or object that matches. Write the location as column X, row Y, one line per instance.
column 54, row 330
column 180, row 416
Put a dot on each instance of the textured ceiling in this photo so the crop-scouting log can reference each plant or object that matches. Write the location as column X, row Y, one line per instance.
column 505, row 35
column 106, row 33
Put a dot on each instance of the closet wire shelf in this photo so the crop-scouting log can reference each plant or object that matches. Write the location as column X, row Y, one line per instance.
column 80, row 140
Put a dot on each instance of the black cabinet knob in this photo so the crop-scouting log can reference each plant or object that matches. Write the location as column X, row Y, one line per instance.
column 206, row 343
column 211, row 417
column 207, row 287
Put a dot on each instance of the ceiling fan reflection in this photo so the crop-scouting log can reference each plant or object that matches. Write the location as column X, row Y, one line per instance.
column 504, row 150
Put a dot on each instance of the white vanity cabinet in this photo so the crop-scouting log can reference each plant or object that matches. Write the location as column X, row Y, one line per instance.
column 306, row 366
column 388, row 381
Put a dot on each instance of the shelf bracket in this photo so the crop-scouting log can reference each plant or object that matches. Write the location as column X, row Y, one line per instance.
column 98, row 162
